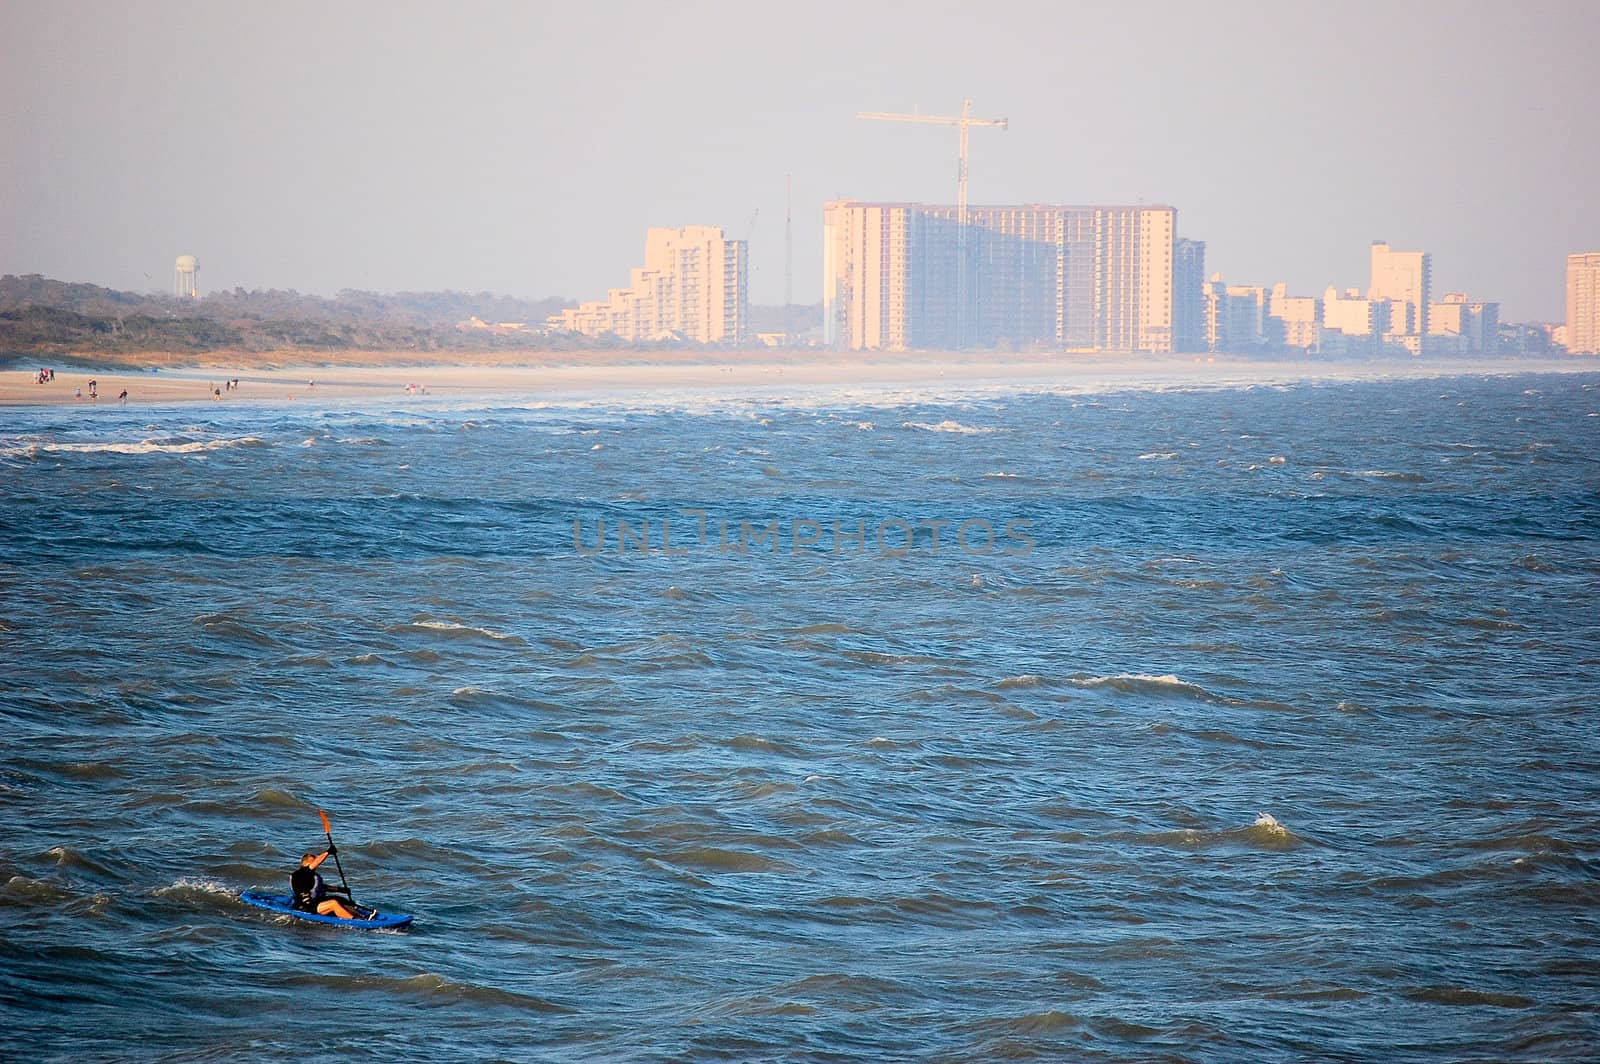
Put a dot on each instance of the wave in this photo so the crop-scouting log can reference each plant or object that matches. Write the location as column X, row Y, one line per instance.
column 947, row 425
column 1385, row 474
column 226, row 627
column 1032, row 1024
column 432, row 988
column 1144, row 683
column 1462, row 995
column 454, row 630
column 482, row 698
column 24, row 891
column 1265, row 832
column 715, row 859
column 209, row 892
column 148, row 446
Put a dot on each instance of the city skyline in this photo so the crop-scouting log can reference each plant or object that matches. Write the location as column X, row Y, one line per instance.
column 522, row 151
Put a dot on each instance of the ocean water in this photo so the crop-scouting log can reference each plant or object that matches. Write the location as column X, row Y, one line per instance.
column 1241, row 723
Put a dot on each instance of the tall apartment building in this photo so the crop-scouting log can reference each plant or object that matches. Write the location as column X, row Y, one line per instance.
column 1583, row 304
column 1353, row 324
column 1458, row 327
column 1235, row 316
column 1405, row 279
column 694, row 285
column 1189, row 295
column 1078, row 278
column 1298, row 318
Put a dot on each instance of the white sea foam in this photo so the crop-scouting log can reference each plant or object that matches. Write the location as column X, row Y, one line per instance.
column 186, row 887
column 465, row 629
column 1166, row 683
column 947, row 425
column 1158, row 456
column 148, row 446
column 1386, row 474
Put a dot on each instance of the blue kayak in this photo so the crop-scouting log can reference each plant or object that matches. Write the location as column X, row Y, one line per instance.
column 367, row 919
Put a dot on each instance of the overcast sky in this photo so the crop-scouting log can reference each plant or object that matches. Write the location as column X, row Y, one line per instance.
column 524, row 147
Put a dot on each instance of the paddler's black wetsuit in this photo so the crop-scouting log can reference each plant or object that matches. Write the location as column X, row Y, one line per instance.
column 308, row 889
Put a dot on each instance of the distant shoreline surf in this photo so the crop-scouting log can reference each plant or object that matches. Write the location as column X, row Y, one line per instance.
column 769, row 374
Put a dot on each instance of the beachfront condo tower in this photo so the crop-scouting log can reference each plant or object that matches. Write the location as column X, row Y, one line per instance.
column 1065, row 278
column 1405, row 279
column 1583, row 303
column 694, row 286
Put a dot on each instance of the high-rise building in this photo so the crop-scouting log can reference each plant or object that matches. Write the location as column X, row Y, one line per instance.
column 1459, row 327
column 1353, row 324
column 1405, row 279
column 1235, row 316
column 1076, row 278
column 1189, row 295
column 1583, row 303
column 693, row 286
column 1298, row 318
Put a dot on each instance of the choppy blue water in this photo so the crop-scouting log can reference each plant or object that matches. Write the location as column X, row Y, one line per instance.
column 1264, row 729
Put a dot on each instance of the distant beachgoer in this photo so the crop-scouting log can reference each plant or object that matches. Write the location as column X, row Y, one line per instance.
column 311, row 894
column 123, row 398
column 77, row 393
column 216, row 393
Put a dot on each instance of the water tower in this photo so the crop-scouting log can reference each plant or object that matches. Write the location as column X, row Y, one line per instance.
column 184, row 272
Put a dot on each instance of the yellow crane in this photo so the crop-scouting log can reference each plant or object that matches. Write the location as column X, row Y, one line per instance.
column 963, row 123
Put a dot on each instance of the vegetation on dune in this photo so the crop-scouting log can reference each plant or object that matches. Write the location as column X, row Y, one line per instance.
column 40, row 317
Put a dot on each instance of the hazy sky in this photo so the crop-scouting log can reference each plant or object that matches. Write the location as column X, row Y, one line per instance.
column 525, row 147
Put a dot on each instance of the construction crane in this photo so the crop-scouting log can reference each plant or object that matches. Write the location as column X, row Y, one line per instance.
column 963, row 123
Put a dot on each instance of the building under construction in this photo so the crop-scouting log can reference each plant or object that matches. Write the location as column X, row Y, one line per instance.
column 1067, row 278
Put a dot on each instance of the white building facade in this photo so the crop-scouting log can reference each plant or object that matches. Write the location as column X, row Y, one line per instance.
column 694, row 286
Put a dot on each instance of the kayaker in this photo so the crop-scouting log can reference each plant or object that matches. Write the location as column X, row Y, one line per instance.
column 311, row 893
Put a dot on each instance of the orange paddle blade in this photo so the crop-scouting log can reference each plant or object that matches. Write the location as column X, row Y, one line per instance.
column 326, row 827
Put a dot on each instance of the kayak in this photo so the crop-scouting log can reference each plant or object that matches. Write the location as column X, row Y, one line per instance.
column 367, row 919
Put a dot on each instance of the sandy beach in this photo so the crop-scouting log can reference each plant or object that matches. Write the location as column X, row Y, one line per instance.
column 562, row 375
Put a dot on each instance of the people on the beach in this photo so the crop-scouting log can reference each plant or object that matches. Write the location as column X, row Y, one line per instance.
column 311, row 894
column 123, row 398
column 93, row 389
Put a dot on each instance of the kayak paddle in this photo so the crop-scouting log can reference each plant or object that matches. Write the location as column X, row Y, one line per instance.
column 328, row 830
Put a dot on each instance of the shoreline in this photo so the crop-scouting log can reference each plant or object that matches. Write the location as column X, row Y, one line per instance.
column 623, row 373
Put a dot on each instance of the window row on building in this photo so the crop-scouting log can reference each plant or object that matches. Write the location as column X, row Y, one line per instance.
column 899, row 276
column 694, row 286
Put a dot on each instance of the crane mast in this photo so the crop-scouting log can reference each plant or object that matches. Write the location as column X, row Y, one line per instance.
column 963, row 123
